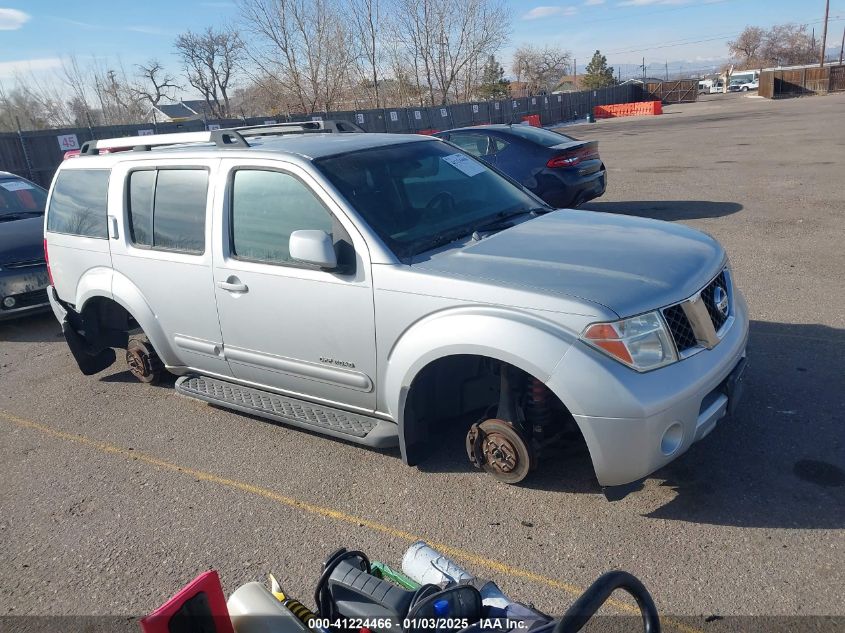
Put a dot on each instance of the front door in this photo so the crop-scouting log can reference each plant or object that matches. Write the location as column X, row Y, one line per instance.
column 286, row 325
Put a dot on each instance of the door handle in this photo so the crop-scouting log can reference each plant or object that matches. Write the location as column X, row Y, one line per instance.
column 233, row 284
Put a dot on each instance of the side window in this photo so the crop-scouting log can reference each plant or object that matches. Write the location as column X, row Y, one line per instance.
column 498, row 144
column 267, row 206
column 141, row 187
column 167, row 209
column 79, row 204
column 474, row 144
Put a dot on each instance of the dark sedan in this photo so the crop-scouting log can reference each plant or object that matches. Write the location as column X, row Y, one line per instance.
column 23, row 270
column 561, row 170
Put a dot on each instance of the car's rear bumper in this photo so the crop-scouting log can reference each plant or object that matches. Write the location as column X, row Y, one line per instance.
column 563, row 188
column 26, row 288
column 634, row 423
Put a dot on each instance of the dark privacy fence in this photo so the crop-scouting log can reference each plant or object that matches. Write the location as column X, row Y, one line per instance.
column 36, row 154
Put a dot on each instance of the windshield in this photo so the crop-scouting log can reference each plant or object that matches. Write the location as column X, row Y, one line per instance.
column 546, row 138
column 419, row 195
column 20, row 198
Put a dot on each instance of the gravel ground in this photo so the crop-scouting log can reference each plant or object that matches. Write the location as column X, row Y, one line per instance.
column 115, row 494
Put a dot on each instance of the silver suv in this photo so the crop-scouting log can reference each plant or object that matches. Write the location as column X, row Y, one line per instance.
column 377, row 287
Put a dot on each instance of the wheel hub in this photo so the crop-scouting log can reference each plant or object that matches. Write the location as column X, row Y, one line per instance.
column 500, row 449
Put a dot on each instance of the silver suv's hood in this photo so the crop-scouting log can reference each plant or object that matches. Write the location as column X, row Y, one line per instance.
column 628, row 264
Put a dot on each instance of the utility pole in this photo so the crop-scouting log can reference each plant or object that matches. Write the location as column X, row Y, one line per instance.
column 824, row 31
column 842, row 46
column 666, row 78
column 643, row 70
column 575, row 72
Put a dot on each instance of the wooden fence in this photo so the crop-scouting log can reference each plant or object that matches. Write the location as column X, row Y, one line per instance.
column 795, row 82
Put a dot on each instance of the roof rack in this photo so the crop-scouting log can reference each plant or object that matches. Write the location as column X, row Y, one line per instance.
column 221, row 138
column 228, row 138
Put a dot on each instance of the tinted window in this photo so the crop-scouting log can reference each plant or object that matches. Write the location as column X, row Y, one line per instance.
column 141, row 185
column 416, row 195
column 17, row 196
column 267, row 207
column 80, row 203
column 538, row 135
column 179, row 211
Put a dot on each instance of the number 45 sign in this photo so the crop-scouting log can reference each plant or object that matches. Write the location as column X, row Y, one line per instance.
column 68, row 142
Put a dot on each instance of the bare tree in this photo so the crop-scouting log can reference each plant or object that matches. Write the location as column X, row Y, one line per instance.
column 540, row 68
column 210, row 59
column 304, row 45
column 445, row 38
column 154, row 83
column 20, row 107
column 788, row 45
column 367, row 15
column 747, row 47
column 781, row 45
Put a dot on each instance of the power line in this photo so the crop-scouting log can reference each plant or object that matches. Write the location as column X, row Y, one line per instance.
column 699, row 41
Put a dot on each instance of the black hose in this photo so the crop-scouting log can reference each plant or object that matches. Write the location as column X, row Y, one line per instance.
column 597, row 594
column 322, row 599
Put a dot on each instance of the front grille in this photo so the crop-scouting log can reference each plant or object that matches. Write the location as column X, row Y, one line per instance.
column 708, row 296
column 680, row 328
column 679, row 324
column 28, row 299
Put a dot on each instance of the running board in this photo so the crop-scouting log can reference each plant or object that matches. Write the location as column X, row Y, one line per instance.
column 353, row 427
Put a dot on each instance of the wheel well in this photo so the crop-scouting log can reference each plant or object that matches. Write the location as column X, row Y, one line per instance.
column 461, row 389
column 106, row 323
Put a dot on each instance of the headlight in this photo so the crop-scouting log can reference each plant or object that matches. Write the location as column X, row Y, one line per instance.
column 641, row 342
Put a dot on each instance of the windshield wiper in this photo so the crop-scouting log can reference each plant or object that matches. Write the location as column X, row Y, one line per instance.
column 502, row 221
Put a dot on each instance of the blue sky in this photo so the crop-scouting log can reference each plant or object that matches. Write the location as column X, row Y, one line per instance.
column 35, row 34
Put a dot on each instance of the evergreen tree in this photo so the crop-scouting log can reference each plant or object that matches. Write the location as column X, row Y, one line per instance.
column 598, row 74
column 493, row 83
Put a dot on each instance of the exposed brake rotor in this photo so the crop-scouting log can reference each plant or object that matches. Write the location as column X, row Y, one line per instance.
column 500, row 449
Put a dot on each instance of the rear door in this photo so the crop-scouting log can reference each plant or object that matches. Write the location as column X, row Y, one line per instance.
column 162, row 248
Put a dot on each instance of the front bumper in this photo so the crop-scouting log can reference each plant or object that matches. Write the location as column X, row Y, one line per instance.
column 634, row 423
column 27, row 287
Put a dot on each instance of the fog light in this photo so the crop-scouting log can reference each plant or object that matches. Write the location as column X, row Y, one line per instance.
column 672, row 438
column 9, row 302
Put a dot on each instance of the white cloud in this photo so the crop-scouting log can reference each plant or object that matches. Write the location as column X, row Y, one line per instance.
column 593, row 3
column 544, row 12
column 9, row 70
column 12, row 19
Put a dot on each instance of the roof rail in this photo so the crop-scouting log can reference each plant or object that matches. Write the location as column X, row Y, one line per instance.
column 221, row 138
column 230, row 137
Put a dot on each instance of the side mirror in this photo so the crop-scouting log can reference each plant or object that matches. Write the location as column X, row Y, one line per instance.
column 313, row 247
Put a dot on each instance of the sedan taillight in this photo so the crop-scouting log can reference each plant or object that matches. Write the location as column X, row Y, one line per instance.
column 572, row 158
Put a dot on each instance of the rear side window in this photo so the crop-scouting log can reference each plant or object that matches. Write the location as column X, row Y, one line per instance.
column 79, row 203
column 167, row 209
column 267, row 206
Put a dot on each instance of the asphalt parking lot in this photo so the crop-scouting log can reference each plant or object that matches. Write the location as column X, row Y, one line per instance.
column 115, row 494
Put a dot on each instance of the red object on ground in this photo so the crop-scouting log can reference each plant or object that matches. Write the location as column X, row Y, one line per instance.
column 428, row 132
column 197, row 606
column 639, row 108
column 532, row 119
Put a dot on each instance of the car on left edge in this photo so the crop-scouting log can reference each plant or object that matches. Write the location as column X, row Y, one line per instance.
column 23, row 268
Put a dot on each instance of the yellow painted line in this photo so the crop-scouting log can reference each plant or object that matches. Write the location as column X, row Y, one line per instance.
column 338, row 515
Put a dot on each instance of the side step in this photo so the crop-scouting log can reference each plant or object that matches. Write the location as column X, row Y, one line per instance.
column 353, row 427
